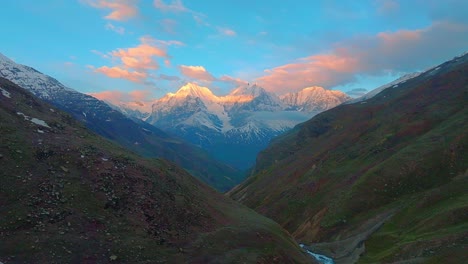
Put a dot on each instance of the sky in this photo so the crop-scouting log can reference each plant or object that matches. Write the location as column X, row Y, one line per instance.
column 127, row 50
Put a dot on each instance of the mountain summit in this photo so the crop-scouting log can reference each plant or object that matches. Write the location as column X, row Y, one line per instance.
column 237, row 126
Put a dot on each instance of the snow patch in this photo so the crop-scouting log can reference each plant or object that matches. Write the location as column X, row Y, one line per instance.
column 34, row 120
column 5, row 92
column 39, row 122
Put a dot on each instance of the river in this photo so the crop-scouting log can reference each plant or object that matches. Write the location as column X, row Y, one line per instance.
column 321, row 258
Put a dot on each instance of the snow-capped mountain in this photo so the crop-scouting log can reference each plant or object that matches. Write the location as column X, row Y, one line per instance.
column 136, row 135
column 314, row 98
column 235, row 127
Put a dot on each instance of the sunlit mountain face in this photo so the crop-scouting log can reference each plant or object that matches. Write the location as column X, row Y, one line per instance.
column 235, row 127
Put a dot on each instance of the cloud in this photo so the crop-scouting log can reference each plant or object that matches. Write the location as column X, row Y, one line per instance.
column 113, row 97
column 116, row 97
column 196, row 72
column 117, row 72
column 116, row 29
column 357, row 92
column 120, row 9
column 135, row 62
column 173, row 6
column 232, row 80
column 139, row 95
column 380, row 54
column 227, row 32
column 387, row 7
column 168, row 77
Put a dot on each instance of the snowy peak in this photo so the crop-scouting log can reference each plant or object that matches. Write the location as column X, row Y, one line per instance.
column 314, row 98
column 194, row 90
column 36, row 82
column 250, row 90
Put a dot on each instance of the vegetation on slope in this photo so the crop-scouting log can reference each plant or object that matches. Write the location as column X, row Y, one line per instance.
column 70, row 196
column 401, row 153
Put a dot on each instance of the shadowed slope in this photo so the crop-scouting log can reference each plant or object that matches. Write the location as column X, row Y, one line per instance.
column 401, row 153
column 70, row 196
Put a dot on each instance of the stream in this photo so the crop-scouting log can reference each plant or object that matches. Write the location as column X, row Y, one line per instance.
column 321, row 258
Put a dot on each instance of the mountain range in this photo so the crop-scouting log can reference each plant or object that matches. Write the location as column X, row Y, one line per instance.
column 133, row 134
column 235, row 127
column 381, row 180
column 69, row 195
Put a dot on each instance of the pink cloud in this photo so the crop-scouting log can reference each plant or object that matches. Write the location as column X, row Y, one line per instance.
column 227, row 32
column 398, row 51
column 135, row 62
column 196, row 72
column 139, row 95
column 117, row 72
column 235, row 81
column 137, row 99
column 120, row 9
column 113, row 97
column 173, row 6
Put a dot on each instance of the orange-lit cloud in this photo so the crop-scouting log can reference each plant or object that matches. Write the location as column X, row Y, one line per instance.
column 135, row 62
column 139, row 95
column 117, row 72
column 140, row 57
column 397, row 52
column 113, row 97
column 197, row 73
column 138, row 99
column 120, row 9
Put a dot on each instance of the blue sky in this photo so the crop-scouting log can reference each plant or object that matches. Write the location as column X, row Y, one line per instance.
column 140, row 50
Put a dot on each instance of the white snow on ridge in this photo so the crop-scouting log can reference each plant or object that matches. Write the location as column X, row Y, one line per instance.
column 393, row 84
column 30, row 79
column 5, row 92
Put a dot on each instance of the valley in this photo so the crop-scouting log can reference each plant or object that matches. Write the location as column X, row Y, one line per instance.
column 381, row 180
column 234, row 132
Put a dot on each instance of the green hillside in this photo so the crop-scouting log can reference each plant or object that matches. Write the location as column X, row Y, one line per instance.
column 386, row 178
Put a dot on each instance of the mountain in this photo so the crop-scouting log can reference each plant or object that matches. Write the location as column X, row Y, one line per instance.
column 314, row 99
column 393, row 84
column 135, row 135
column 380, row 181
column 235, row 127
column 136, row 110
column 71, row 196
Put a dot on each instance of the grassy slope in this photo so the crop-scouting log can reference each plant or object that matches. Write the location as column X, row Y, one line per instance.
column 344, row 167
column 70, row 196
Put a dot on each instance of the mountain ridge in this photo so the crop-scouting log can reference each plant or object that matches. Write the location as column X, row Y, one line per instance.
column 69, row 195
column 133, row 134
column 242, row 121
column 394, row 164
